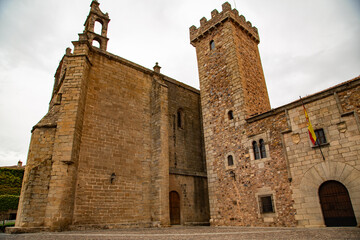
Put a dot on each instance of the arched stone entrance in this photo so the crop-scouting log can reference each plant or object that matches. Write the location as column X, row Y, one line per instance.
column 174, row 200
column 336, row 205
column 306, row 191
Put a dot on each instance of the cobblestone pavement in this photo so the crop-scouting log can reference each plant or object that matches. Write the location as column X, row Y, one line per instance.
column 198, row 233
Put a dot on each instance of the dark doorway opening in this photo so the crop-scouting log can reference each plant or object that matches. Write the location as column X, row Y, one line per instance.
column 174, row 208
column 336, row 205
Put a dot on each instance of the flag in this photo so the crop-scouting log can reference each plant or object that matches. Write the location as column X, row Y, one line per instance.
column 312, row 134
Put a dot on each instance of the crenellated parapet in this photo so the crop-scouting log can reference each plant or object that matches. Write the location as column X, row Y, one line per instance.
column 227, row 14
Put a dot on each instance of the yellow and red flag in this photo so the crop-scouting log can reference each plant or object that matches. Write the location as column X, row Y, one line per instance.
column 312, row 134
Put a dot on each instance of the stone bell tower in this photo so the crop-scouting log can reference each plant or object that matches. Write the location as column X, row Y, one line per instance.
column 96, row 15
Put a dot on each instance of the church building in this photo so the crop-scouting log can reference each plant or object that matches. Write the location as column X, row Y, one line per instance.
column 126, row 146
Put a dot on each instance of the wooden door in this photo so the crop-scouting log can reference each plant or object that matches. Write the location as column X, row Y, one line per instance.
column 336, row 205
column 174, row 208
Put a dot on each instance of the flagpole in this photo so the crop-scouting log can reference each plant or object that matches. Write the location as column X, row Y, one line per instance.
column 310, row 127
column 318, row 142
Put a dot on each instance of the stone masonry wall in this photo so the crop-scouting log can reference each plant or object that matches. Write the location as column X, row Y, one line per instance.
column 159, row 196
column 251, row 73
column 238, row 202
column 185, row 143
column 350, row 100
column 34, row 191
column 126, row 133
column 59, row 209
column 194, row 202
column 186, row 157
column 116, row 139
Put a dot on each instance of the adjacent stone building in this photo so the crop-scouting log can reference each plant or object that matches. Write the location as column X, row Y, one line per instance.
column 124, row 146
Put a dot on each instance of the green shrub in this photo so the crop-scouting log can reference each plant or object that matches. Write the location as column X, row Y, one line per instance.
column 8, row 202
column 10, row 181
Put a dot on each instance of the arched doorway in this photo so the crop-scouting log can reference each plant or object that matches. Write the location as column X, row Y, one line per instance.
column 174, row 208
column 336, row 205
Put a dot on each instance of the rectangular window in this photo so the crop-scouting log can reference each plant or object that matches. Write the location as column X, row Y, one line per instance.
column 320, row 137
column 266, row 204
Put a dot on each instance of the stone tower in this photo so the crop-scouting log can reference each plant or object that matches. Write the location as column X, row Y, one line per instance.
column 232, row 89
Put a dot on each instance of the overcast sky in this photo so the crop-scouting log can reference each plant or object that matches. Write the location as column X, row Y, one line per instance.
column 305, row 47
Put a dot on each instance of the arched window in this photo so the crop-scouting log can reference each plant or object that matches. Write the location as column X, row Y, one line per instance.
column 230, row 160
column 256, row 150
column 230, row 115
column 98, row 27
column 212, row 44
column 262, row 149
column 180, row 118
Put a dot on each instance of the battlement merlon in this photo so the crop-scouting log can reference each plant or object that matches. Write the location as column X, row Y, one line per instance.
column 206, row 26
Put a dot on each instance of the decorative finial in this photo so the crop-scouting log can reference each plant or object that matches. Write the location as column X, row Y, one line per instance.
column 157, row 67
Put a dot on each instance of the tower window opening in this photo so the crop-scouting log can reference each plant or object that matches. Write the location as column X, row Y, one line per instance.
column 230, row 115
column 98, row 28
column 212, row 44
column 180, row 119
column 96, row 43
column 230, row 160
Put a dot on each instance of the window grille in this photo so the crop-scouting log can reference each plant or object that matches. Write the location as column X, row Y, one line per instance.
column 266, row 204
column 320, row 137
